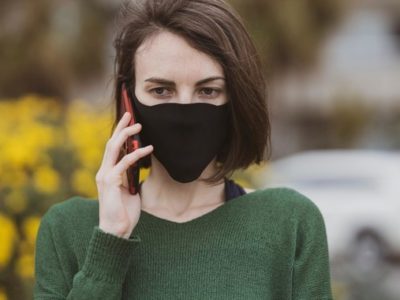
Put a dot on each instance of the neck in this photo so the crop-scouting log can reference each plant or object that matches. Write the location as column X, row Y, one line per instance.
column 160, row 192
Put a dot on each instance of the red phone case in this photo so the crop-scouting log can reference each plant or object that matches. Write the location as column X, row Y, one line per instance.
column 131, row 144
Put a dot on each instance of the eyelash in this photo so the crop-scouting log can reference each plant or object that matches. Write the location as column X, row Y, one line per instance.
column 213, row 90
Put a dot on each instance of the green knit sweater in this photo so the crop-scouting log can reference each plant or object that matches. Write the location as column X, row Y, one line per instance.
column 268, row 244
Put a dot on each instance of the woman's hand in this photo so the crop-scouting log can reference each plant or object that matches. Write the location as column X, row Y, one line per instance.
column 119, row 210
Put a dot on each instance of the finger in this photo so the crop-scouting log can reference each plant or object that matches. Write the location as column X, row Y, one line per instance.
column 131, row 158
column 123, row 122
column 106, row 165
column 115, row 145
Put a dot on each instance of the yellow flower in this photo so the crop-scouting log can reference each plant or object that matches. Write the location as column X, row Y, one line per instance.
column 17, row 153
column 16, row 201
column 90, row 157
column 46, row 180
column 32, row 106
column 30, row 228
column 28, row 131
column 8, row 236
column 25, row 266
column 83, row 182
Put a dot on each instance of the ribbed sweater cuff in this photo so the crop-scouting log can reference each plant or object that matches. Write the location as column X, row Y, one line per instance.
column 108, row 256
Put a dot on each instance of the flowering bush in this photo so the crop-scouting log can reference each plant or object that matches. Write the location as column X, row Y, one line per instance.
column 48, row 153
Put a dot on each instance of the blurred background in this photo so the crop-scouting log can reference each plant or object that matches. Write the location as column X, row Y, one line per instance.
column 333, row 70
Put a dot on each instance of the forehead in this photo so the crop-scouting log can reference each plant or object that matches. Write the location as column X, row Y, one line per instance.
column 168, row 54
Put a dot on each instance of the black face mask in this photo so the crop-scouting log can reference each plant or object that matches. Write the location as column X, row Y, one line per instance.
column 186, row 137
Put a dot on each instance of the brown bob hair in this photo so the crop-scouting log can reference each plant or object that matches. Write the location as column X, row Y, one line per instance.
column 214, row 28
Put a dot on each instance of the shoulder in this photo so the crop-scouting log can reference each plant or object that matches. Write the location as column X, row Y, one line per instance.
column 284, row 201
column 287, row 208
column 282, row 215
column 72, row 205
column 66, row 229
column 284, row 197
column 75, row 211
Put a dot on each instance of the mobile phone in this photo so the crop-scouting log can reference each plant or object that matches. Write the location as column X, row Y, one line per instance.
column 132, row 142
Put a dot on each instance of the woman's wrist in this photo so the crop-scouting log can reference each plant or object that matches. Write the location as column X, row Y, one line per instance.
column 119, row 231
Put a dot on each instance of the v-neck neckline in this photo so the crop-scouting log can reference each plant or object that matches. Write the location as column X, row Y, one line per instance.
column 200, row 219
column 231, row 191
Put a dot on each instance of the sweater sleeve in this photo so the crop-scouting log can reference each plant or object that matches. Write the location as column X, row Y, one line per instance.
column 100, row 277
column 311, row 272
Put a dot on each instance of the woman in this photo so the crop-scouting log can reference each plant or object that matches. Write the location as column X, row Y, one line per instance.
column 194, row 78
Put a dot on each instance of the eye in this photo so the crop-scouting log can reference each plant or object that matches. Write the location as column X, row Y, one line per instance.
column 160, row 91
column 210, row 92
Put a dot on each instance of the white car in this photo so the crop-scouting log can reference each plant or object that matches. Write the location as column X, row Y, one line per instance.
column 358, row 194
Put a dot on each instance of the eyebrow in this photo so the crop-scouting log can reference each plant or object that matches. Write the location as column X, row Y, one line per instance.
column 171, row 83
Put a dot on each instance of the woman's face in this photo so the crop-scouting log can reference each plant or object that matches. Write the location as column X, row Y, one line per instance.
column 168, row 69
